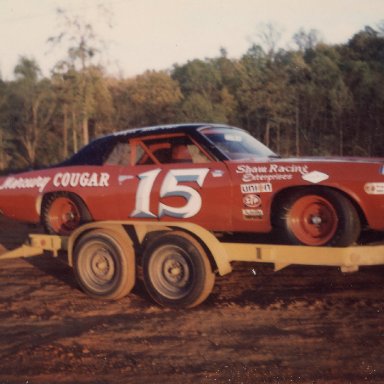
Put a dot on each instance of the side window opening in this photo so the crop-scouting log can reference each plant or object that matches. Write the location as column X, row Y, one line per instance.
column 160, row 150
column 120, row 155
column 198, row 156
column 173, row 150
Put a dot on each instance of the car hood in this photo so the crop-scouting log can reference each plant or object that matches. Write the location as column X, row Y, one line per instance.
column 313, row 159
column 348, row 159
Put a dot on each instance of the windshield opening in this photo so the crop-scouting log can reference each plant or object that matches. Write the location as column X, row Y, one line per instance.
column 236, row 144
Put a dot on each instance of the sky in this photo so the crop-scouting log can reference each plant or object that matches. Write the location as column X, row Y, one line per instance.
column 145, row 35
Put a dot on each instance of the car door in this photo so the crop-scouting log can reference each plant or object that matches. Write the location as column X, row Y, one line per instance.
column 170, row 178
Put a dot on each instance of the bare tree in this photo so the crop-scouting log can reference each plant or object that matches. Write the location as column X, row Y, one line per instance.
column 269, row 36
column 307, row 40
column 84, row 47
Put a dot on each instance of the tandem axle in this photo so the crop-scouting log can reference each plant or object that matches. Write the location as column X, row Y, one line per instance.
column 179, row 260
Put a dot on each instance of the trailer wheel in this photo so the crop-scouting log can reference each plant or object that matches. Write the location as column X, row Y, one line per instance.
column 176, row 271
column 319, row 217
column 104, row 264
column 62, row 213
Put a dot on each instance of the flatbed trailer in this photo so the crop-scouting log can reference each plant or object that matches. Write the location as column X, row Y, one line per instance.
column 178, row 260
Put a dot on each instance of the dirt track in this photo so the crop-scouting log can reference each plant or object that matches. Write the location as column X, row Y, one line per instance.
column 299, row 325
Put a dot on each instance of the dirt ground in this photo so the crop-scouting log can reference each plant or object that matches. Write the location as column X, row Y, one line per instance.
column 298, row 325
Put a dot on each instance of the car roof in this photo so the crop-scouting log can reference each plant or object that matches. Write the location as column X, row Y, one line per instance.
column 101, row 144
column 171, row 128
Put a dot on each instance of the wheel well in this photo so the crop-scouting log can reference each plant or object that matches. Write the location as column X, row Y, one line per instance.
column 285, row 193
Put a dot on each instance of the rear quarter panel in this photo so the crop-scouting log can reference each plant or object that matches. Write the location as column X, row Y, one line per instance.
column 257, row 184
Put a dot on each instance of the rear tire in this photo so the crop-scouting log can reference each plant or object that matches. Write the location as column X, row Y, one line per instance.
column 176, row 271
column 104, row 264
column 318, row 217
column 62, row 213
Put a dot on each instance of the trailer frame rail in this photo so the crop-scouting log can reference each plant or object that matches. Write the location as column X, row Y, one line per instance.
column 349, row 259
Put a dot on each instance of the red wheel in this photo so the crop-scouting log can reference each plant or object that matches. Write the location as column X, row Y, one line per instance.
column 318, row 217
column 62, row 214
column 313, row 220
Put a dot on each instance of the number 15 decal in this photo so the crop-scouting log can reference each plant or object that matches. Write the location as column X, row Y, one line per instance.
column 170, row 187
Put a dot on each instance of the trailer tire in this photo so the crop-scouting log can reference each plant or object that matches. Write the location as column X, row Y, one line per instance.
column 318, row 217
column 104, row 264
column 176, row 270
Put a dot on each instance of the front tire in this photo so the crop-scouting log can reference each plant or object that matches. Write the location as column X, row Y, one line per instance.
column 176, row 271
column 104, row 264
column 318, row 217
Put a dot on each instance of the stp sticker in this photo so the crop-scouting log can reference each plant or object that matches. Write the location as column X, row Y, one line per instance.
column 252, row 201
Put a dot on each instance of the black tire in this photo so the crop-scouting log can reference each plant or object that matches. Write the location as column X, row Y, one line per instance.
column 176, row 271
column 318, row 217
column 104, row 264
column 62, row 213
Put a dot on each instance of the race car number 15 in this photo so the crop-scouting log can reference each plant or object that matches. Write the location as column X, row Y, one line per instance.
column 170, row 187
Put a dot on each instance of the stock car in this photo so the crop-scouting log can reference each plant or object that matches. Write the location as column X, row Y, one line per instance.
column 217, row 176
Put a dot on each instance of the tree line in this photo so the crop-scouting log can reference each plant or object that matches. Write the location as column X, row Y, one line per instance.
column 313, row 99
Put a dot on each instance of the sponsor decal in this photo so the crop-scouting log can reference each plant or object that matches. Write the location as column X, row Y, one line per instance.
column 233, row 137
column 84, row 179
column 256, row 188
column 217, row 173
column 292, row 168
column 38, row 182
column 252, row 201
column 270, row 172
column 252, row 214
column 374, row 188
column 315, row 177
column 61, row 179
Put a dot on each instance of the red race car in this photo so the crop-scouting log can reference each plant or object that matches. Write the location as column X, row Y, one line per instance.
column 216, row 176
